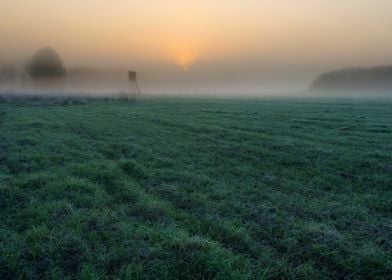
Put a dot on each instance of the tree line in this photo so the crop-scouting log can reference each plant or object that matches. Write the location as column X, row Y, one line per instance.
column 375, row 78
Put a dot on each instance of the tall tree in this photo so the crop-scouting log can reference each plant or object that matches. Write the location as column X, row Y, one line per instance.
column 46, row 64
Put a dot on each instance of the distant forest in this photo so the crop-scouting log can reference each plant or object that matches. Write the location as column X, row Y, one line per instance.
column 376, row 78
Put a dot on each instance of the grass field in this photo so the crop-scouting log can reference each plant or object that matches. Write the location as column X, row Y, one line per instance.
column 196, row 189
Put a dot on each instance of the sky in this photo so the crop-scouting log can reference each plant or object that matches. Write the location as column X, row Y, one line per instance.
column 204, row 45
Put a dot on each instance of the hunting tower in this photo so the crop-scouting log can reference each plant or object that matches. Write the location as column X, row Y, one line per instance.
column 133, row 86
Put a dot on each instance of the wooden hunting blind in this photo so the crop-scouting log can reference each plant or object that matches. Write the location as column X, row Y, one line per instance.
column 132, row 75
column 133, row 86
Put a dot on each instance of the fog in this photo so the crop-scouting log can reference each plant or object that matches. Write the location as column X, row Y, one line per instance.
column 223, row 48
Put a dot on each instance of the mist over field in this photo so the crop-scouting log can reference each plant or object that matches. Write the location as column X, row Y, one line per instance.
column 101, row 82
column 168, row 79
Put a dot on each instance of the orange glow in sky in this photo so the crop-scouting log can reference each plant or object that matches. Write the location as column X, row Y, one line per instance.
column 181, row 32
column 183, row 54
column 185, row 59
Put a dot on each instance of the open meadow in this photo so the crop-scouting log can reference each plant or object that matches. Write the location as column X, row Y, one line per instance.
column 171, row 188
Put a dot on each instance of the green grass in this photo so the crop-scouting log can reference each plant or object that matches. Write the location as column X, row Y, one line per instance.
column 196, row 189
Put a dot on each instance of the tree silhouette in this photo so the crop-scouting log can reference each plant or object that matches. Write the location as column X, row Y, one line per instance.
column 46, row 64
column 378, row 78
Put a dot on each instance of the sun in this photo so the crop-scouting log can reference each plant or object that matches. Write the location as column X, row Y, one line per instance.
column 183, row 51
column 185, row 58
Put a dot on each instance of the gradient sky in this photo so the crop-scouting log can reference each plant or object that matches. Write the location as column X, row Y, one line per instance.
column 204, row 43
